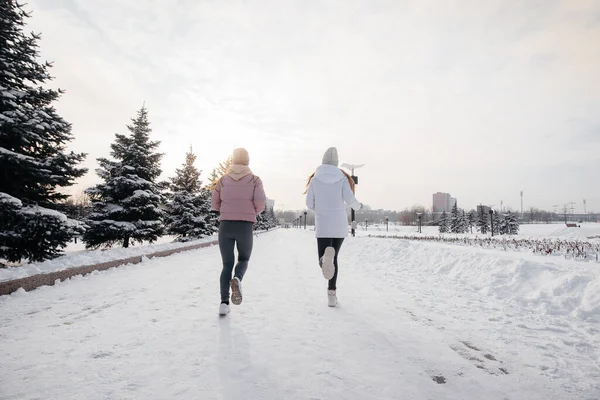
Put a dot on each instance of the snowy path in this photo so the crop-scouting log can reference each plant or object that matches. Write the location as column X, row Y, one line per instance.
column 405, row 329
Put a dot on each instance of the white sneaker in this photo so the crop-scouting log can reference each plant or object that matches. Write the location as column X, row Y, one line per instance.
column 327, row 263
column 331, row 298
column 236, row 291
column 224, row 309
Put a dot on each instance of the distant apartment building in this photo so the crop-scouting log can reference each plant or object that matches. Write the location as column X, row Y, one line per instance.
column 443, row 202
column 481, row 209
column 270, row 205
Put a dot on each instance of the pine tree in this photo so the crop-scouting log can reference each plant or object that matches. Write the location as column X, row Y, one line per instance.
column 272, row 218
column 267, row 220
column 34, row 162
column 483, row 224
column 472, row 219
column 503, row 227
column 127, row 205
column 188, row 209
column 220, row 171
column 498, row 223
column 512, row 224
column 213, row 216
column 456, row 224
column 443, row 228
column 261, row 222
column 464, row 222
column 213, row 179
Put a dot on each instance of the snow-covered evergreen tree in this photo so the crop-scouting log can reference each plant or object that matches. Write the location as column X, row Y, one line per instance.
column 444, row 223
column 464, row 221
column 483, row 223
column 502, row 227
column 213, row 217
column 34, row 162
column 512, row 224
column 127, row 206
column 472, row 220
column 261, row 222
column 456, row 220
column 498, row 222
column 271, row 218
column 188, row 209
column 265, row 220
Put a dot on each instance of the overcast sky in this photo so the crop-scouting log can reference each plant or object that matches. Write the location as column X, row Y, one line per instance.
column 479, row 98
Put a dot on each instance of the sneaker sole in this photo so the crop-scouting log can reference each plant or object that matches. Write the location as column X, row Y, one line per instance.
column 328, row 266
column 236, row 293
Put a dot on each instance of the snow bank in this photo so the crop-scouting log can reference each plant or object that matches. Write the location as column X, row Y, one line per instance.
column 78, row 256
column 569, row 248
column 553, row 287
column 587, row 230
column 90, row 257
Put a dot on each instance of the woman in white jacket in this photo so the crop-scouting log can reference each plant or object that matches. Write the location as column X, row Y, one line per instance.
column 329, row 190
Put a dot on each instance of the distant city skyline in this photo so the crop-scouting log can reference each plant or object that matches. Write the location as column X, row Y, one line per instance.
column 270, row 204
column 442, row 202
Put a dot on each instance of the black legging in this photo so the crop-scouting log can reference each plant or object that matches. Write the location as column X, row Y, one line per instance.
column 336, row 243
column 232, row 234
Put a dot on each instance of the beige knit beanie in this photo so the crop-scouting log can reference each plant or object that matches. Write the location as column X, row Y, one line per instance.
column 240, row 156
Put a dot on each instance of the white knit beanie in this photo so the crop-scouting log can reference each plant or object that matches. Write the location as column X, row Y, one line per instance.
column 331, row 157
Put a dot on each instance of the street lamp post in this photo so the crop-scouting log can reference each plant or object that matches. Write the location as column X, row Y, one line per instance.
column 352, row 167
column 522, row 205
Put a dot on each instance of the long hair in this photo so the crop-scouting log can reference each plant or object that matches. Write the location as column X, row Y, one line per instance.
column 350, row 181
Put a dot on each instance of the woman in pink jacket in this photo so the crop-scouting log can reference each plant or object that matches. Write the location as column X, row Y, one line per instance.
column 239, row 197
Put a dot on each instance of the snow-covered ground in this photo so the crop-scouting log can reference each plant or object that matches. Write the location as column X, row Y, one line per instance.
column 77, row 256
column 79, row 246
column 586, row 231
column 415, row 321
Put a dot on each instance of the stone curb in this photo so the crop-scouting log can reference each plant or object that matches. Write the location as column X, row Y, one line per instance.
column 49, row 279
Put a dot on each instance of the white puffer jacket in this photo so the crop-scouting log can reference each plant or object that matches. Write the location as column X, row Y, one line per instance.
column 328, row 193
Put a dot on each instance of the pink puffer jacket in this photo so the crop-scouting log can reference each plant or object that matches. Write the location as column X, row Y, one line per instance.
column 239, row 200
